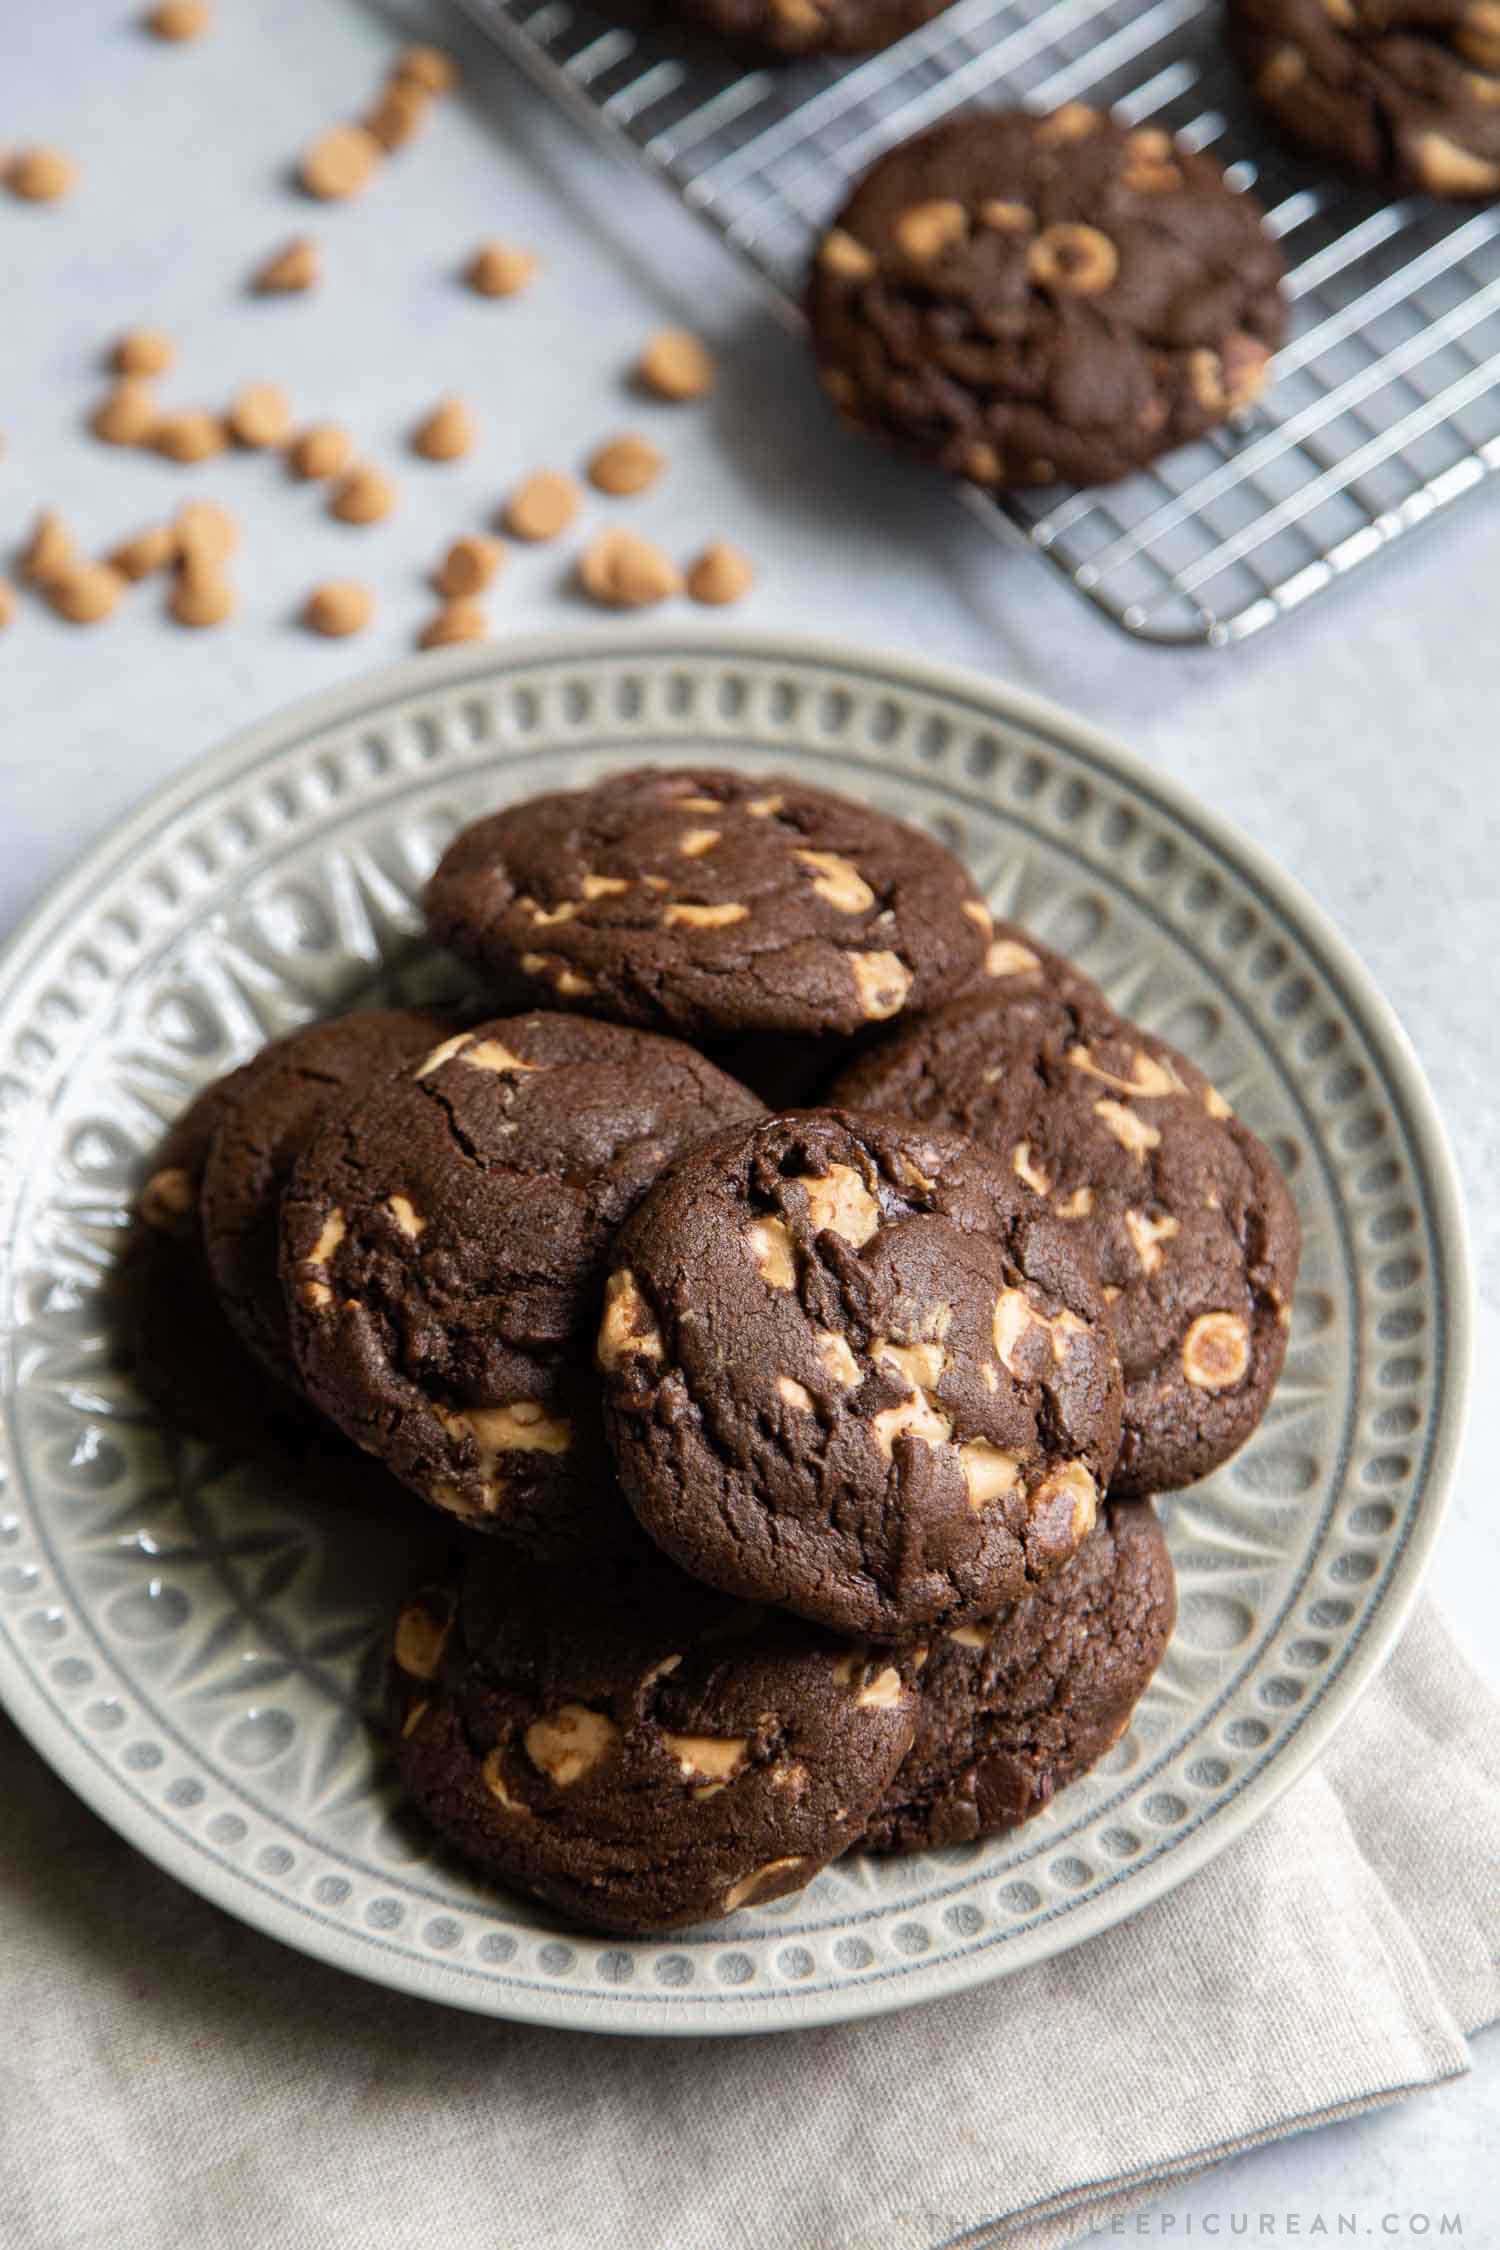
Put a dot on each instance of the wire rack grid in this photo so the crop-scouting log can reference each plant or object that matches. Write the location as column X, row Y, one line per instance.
column 1386, row 400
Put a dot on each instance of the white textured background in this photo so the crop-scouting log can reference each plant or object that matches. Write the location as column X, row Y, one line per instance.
column 1357, row 741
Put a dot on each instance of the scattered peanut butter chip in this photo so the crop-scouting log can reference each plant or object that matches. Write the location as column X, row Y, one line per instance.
column 499, row 269
column 49, row 551
column 128, row 415
column 325, row 450
column 86, row 592
column 295, row 266
column 626, row 572
column 146, row 552
column 677, row 366
column 720, row 574
column 339, row 608
column 201, row 595
column 447, row 433
column 192, row 435
column 40, row 175
column 143, row 351
column 340, row 162
column 179, row 19
column 7, row 604
column 399, row 114
column 427, row 67
column 541, row 507
column 624, row 465
column 456, row 621
column 363, row 496
column 471, row 564
column 206, row 533
column 261, row 415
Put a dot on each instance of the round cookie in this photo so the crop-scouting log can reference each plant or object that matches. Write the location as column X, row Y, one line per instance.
column 852, row 1368
column 1014, row 1709
column 1410, row 93
column 278, row 1102
column 1182, row 1209
column 811, row 27
column 632, row 1748
column 709, row 903
column 443, row 1250
column 1025, row 299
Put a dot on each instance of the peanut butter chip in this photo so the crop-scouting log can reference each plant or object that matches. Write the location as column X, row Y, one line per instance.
column 289, row 270
column 842, row 255
column 206, row 533
column 261, row 415
column 542, row 507
column 1129, row 1129
column 86, row 592
column 794, row 1394
column 708, row 1757
column 1147, row 1075
column 167, row 1199
column 7, row 603
column 471, row 564
column 628, row 1330
column 179, row 19
column 569, row 1743
column 770, row 1246
column 455, row 623
column 1073, row 122
column 340, row 163
column 325, row 450
column 838, row 881
column 720, row 575
column 398, row 116
column 1006, row 958
column 1147, row 1236
column 926, row 230
column 143, row 351
column 1073, row 261
column 624, row 465
column 202, row 595
column 364, row 495
column 1026, row 1168
column 769, row 1881
column 989, row 1471
column 127, row 416
column 1068, row 1499
column 420, row 1638
column 1007, row 218
column 40, row 175
column 915, row 1417
column 677, row 366
column 447, row 433
column 49, row 551
column 427, row 67
column 882, row 981
column 626, row 572
column 882, row 1693
column 492, row 1772
column 722, row 917
column 190, row 436
column 499, row 269
column 839, row 1201
column 1446, row 169
column 338, row 608
column 1216, row 1351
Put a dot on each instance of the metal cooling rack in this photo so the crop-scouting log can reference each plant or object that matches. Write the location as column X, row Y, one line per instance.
column 1386, row 404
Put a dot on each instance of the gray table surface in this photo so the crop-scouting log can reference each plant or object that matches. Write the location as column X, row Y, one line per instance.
column 1356, row 741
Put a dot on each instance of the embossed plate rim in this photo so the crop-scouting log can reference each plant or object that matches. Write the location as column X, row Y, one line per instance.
column 1449, row 1284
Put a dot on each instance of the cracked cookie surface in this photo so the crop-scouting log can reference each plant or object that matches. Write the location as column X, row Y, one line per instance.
column 632, row 1747
column 1012, row 1710
column 1183, row 1210
column 278, row 1101
column 1406, row 89
column 709, row 903
column 1023, row 299
column 852, row 1368
column 443, row 1248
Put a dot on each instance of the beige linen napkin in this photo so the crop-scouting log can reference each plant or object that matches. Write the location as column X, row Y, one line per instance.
column 172, row 2081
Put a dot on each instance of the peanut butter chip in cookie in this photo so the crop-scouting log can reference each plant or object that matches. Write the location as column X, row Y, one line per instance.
column 570, row 1743
column 1216, row 1351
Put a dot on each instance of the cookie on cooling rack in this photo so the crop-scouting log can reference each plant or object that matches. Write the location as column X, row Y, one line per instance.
column 811, row 27
column 1013, row 1709
column 633, row 1748
column 1178, row 1204
column 1406, row 89
column 852, row 1367
column 1025, row 299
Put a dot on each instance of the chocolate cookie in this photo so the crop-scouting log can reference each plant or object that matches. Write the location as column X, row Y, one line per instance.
column 1021, row 299
column 709, row 903
column 1182, row 1209
column 1013, row 1710
column 851, row 1367
column 633, row 1748
column 811, row 27
column 1406, row 89
column 443, row 1249
column 278, row 1101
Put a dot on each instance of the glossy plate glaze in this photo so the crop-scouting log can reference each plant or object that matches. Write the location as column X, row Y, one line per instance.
column 199, row 1655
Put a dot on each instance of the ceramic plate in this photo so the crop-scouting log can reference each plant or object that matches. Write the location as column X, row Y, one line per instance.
column 198, row 1656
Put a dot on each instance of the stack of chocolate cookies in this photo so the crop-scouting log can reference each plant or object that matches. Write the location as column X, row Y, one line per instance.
column 798, row 1461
